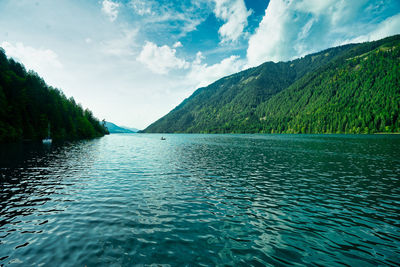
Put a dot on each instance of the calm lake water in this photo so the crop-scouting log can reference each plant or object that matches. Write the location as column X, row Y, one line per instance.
column 202, row 200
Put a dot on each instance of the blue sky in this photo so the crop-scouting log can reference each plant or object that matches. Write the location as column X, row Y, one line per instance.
column 132, row 61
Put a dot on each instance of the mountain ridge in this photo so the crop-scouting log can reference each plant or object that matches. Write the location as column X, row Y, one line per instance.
column 113, row 128
column 234, row 104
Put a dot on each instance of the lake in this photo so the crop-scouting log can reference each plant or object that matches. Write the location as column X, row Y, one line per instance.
column 203, row 200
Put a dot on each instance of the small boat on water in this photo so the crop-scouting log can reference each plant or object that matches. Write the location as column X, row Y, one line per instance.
column 162, row 138
column 48, row 139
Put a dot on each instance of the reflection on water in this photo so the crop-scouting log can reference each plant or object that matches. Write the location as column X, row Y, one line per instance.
column 202, row 200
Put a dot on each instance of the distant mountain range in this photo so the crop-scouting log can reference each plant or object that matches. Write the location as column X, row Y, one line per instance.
column 113, row 128
column 130, row 128
column 348, row 89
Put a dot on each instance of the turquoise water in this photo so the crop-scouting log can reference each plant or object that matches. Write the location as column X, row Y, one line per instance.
column 203, row 200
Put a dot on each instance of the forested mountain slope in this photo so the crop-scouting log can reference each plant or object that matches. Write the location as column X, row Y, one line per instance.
column 347, row 89
column 359, row 95
column 28, row 106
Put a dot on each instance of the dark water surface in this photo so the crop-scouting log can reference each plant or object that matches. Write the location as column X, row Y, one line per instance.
column 202, row 200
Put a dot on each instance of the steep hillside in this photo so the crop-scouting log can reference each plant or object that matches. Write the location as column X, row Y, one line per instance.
column 357, row 94
column 282, row 97
column 28, row 106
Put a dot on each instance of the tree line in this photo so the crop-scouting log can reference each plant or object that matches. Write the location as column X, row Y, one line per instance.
column 28, row 106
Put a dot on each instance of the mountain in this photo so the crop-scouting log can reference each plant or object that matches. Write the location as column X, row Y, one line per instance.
column 112, row 128
column 348, row 89
column 28, row 105
column 131, row 128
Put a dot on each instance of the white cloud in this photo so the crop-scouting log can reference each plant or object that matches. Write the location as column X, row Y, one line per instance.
column 388, row 27
column 177, row 44
column 234, row 13
column 268, row 41
column 110, row 8
column 306, row 29
column 161, row 59
column 39, row 60
column 203, row 74
column 189, row 25
column 199, row 58
column 141, row 7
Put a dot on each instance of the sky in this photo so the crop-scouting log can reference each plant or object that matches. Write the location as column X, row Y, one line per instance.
column 132, row 61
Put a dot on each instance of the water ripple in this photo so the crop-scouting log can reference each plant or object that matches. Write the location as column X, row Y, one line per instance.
column 240, row 200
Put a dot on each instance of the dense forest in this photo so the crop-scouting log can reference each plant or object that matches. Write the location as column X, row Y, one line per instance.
column 348, row 89
column 28, row 107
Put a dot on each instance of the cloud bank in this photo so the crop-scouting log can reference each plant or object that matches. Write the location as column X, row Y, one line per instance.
column 291, row 29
